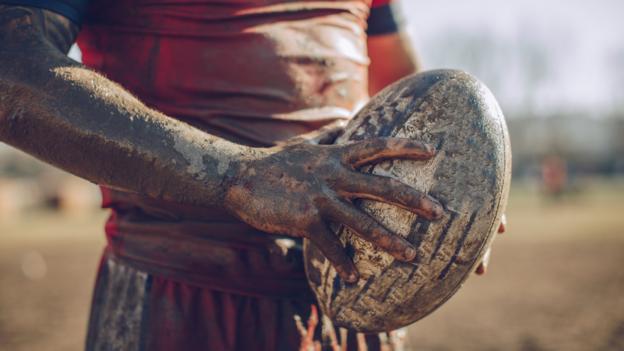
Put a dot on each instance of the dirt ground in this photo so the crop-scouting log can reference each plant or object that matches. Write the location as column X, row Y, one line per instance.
column 556, row 280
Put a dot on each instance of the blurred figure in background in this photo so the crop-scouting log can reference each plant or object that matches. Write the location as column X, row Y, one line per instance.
column 554, row 176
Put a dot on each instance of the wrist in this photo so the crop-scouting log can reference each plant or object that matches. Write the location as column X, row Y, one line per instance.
column 240, row 168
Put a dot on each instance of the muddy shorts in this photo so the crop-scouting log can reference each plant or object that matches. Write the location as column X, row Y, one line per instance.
column 168, row 281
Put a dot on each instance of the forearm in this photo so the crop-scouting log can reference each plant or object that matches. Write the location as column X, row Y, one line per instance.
column 71, row 117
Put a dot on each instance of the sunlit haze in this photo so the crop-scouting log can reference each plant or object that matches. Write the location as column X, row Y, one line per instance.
column 540, row 56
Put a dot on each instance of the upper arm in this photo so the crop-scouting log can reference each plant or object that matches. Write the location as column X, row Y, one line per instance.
column 24, row 27
column 389, row 48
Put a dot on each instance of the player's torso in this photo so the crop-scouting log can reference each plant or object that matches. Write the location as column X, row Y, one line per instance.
column 252, row 71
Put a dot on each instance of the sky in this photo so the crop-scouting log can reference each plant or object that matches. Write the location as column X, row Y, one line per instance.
column 580, row 45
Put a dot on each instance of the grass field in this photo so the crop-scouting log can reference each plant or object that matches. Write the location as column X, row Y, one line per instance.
column 556, row 280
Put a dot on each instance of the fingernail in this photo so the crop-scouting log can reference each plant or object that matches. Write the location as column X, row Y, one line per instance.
column 352, row 278
column 410, row 253
column 437, row 210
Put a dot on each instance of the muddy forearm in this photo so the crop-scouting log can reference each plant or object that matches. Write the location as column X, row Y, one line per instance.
column 74, row 118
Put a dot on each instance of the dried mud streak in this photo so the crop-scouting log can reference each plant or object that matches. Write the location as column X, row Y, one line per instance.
column 459, row 246
column 442, row 235
column 118, row 308
column 74, row 118
column 470, row 173
column 112, row 139
column 418, row 228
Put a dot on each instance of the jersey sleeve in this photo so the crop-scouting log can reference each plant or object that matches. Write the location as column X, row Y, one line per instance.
column 384, row 18
column 72, row 9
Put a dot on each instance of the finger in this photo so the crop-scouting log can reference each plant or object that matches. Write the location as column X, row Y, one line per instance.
column 480, row 269
column 329, row 244
column 503, row 225
column 367, row 228
column 389, row 190
column 485, row 261
column 380, row 149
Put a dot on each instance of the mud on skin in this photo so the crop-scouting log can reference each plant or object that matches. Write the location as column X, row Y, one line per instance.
column 470, row 175
column 72, row 117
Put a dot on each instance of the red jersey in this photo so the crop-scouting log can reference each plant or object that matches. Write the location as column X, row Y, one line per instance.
column 254, row 72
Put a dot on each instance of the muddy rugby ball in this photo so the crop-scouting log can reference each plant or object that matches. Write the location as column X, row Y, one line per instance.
column 470, row 176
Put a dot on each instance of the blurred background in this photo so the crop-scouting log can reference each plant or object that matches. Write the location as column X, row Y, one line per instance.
column 556, row 278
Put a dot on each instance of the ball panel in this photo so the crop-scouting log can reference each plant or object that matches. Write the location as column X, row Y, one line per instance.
column 469, row 176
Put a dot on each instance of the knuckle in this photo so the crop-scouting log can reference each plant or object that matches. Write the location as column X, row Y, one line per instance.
column 399, row 244
column 422, row 201
column 370, row 229
column 369, row 144
column 380, row 235
column 381, row 143
column 397, row 185
column 334, row 251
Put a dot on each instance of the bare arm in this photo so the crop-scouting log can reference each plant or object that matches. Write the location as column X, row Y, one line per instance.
column 392, row 58
column 69, row 116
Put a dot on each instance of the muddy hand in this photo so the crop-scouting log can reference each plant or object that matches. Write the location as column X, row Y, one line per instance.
column 299, row 189
column 482, row 268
